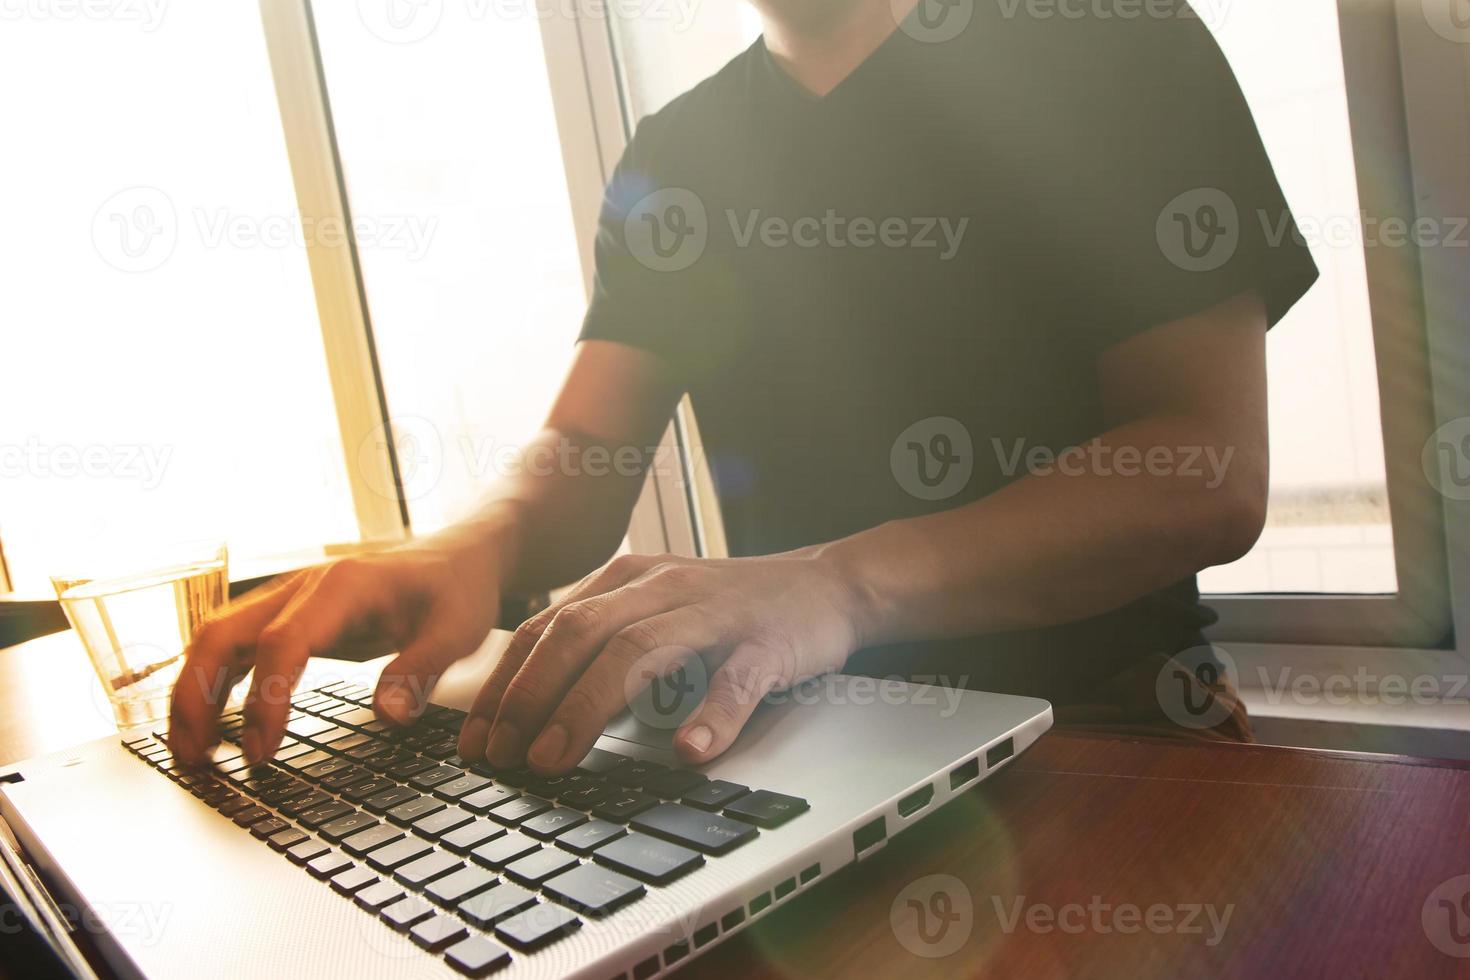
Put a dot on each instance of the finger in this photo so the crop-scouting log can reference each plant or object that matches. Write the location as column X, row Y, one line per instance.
column 573, row 641
column 649, row 648
column 474, row 736
column 311, row 622
column 737, row 686
column 408, row 680
column 217, row 657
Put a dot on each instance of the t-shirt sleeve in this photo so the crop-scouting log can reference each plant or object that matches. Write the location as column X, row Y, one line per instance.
column 1171, row 204
column 659, row 283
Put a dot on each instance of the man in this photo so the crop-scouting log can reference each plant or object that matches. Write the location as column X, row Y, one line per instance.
column 1035, row 234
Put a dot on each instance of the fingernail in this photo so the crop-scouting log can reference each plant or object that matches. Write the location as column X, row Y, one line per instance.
column 398, row 705
column 505, row 745
column 549, row 747
column 250, row 743
column 472, row 738
column 699, row 737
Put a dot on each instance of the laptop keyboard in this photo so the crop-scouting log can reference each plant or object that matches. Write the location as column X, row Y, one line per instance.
column 475, row 864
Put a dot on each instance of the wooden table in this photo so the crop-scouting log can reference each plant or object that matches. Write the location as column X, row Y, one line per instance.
column 1088, row 857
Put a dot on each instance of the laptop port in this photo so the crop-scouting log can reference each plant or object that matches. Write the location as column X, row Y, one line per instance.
column 962, row 774
column 869, row 835
column 999, row 752
column 916, row 801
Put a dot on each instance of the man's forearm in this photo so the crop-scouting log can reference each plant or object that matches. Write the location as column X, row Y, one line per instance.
column 553, row 519
column 1057, row 547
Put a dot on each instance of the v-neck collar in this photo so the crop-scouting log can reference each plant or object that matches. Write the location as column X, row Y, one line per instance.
column 791, row 89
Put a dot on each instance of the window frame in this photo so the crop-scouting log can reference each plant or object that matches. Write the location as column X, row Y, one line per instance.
column 1385, row 45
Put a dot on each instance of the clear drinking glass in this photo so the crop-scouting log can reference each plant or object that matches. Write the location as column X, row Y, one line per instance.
column 136, row 624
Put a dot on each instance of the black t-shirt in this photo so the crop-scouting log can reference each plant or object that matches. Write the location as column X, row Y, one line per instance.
column 851, row 287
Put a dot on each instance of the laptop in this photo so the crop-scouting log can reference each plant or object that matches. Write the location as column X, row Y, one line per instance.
column 363, row 851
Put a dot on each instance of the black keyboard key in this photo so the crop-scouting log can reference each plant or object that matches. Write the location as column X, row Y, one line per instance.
column 402, row 914
column 592, row 890
column 435, row 864
column 442, row 750
column 306, row 727
column 707, row 832
column 250, row 815
column 477, row 956
column 489, row 907
column 436, row 825
column 372, row 787
column 379, row 896
column 407, row 813
column 516, row 777
column 301, row 763
column 354, row 717
column 482, row 800
column 715, row 794
column 392, row 856
column 299, row 805
column 306, row 851
column 370, row 749
column 411, row 766
column 325, row 813
column 353, row 880
column 389, row 798
column 284, row 840
column 328, row 864
column 551, row 823
column 536, row 867
column 346, row 826
column 635, row 773
column 457, row 886
column 587, row 795
column 327, row 768
column 339, row 781
column 387, row 760
column 766, row 809
column 430, row 778
column 371, row 839
column 648, row 859
column 673, row 783
column 263, row 829
column 601, row 761
column 515, row 811
column 438, row 932
column 466, row 784
column 537, row 926
column 622, row 805
column 550, row 787
column 589, row 836
column 471, row 836
column 504, row 849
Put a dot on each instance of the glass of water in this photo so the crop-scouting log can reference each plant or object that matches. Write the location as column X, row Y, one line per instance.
column 136, row 624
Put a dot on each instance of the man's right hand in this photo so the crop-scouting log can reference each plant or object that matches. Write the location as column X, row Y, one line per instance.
column 435, row 600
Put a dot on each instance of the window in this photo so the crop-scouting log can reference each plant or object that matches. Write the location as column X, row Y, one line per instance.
column 162, row 373
column 1328, row 527
column 468, row 249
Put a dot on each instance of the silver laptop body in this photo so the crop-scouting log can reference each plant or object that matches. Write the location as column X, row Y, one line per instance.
column 164, row 886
